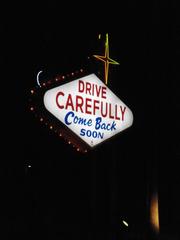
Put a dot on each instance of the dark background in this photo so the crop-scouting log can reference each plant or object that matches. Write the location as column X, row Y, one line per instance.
column 68, row 195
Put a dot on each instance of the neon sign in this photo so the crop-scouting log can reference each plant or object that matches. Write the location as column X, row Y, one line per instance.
column 89, row 109
column 79, row 107
column 106, row 59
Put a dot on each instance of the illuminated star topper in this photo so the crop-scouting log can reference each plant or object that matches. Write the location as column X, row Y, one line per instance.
column 106, row 59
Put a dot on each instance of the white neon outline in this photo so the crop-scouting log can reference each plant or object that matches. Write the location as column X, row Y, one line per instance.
column 37, row 78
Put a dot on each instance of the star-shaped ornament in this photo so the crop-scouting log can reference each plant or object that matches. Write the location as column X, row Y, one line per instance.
column 106, row 59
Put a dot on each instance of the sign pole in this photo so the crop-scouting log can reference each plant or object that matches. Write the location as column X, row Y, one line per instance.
column 93, row 190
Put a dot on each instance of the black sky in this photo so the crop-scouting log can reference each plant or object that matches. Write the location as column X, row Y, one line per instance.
column 68, row 194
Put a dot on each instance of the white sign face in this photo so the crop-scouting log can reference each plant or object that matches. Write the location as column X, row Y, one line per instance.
column 89, row 109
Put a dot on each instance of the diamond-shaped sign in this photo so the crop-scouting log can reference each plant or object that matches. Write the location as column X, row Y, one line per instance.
column 89, row 109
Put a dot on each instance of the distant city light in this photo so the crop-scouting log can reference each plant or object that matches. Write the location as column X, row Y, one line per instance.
column 154, row 212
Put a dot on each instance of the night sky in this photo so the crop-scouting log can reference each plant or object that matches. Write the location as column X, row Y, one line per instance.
column 69, row 195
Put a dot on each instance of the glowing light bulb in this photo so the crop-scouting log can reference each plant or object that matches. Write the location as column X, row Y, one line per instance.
column 125, row 223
